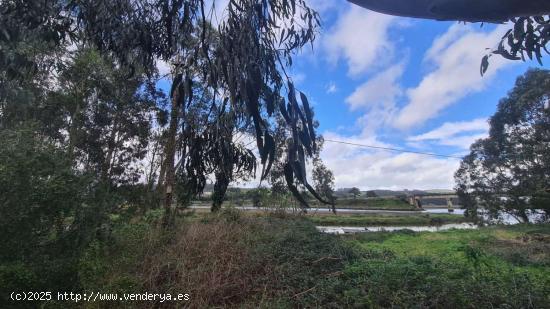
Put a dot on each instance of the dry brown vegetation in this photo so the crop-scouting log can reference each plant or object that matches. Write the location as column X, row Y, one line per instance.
column 235, row 260
column 211, row 262
column 523, row 250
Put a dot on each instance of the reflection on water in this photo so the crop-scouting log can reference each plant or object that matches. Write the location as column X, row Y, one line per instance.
column 456, row 211
column 352, row 230
column 504, row 218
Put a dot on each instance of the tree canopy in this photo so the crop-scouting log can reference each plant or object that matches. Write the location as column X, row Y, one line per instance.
column 510, row 170
column 355, row 192
column 240, row 59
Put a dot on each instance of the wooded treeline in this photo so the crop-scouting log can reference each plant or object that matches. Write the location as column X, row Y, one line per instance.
column 86, row 133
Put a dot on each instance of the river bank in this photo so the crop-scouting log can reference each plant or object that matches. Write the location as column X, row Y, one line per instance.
column 388, row 219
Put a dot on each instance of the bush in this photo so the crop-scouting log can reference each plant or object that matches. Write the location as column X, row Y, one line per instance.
column 39, row 196
column 49, row 213
column 39, row 191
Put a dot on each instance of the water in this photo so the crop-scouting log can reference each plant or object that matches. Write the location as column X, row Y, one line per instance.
column 457, row 211
column 353, row 230
column 504, row 219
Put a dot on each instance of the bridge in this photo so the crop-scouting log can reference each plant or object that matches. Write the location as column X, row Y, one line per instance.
column 440, row 200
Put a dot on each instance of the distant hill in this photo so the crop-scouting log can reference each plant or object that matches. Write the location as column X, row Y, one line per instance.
column 341, row 192
column 389, row 193
column 441, row 191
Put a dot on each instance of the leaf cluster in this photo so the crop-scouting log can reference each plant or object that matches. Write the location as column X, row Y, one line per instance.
column 526, row 40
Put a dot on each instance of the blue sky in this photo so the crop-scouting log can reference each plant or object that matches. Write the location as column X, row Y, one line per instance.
column 398, row 82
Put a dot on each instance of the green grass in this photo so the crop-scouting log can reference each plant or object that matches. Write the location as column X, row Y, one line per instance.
column 489, row 267
column 374, row 203
column 284, row 262
column 281, row 256
column 387, row 219
column 369, row 203
column 446, row 244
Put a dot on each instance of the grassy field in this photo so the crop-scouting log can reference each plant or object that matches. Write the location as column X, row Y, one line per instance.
column 371, row 203
column 350, row 203
column 252, row 261
column 506, row 267
column 386, row 219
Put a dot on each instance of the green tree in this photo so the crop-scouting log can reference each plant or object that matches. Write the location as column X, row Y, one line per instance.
column 371, row 193
column 244, row 66
column 107, row 115
column 47, row 214
column 509, row 171
column 355, row 192
column 323, row 180
column 258, row 196
column 276, row 176
column 39, row 190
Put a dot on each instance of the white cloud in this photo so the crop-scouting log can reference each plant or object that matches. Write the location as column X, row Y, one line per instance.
column 332, row 88
column 360, row 37
column 456, row 56
column 163, row 68
column 458, row 134
column 382, row 89
column 323, row 6
column 343, row 151
column 372, row 169
column 463, row 142
column 377, row 97
column 451, row 129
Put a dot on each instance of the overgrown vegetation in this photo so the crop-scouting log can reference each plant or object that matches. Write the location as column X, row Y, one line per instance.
column 87, row 135
column 259, row 261
column 461, row 268
column 282, row 261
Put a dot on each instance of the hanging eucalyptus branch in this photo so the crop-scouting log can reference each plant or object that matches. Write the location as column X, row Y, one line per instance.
column 527, row 39
column 241, row 60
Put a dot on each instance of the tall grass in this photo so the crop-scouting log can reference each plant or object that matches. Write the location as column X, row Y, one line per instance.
column 211, row 262
column 233, row 260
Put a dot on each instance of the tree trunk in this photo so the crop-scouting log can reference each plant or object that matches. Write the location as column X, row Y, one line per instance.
column 160, row 184
column 106, row 168
column 523, row 215
column 72, row 133
column 169, row 158
column 220, row 188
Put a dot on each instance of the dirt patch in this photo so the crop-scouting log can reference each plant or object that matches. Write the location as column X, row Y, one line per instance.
column 535, row 237
column 527, row 249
